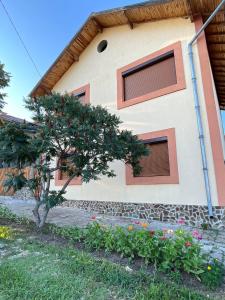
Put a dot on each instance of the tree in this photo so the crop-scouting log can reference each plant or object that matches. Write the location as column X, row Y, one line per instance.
column 4, row 82
column 88, row 137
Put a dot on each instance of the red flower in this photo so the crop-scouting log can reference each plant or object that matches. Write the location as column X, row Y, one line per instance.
column 188, row 244
column 163, row 238
column 151, row 232
column 93, row 218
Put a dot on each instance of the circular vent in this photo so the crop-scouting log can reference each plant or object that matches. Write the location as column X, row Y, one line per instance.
column 102, row 46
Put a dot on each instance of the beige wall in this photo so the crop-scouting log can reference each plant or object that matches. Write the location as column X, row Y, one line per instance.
column 175, row 110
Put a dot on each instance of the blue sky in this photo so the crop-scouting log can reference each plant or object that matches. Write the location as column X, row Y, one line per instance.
column 46, row 26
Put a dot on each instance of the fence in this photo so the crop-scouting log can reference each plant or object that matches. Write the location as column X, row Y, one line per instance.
column 3, row 177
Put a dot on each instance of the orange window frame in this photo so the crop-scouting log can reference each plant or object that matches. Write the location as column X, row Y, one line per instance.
column 173, row 178
column 180, row 85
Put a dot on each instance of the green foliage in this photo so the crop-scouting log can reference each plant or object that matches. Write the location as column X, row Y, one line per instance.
column 169, row 252
column 16, row 146
column 88, row 137
column 213, row 274
column 59, row 272
column 4, row 82
column 6, row 214
column 5, row 232
column 16, row 182
column 177, row 251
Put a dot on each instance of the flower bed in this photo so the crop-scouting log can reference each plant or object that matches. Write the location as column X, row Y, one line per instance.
column 168, row 250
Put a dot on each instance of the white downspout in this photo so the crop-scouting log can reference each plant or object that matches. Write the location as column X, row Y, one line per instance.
column 198, row 110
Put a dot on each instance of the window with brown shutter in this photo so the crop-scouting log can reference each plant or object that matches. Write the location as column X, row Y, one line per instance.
column 155, row 75
column 82, row 93
column 160, row 166
column 151, row 76
column 157, row 162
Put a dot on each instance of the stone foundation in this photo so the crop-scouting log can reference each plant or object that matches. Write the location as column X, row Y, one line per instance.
column 193, row 215
column 24, row 194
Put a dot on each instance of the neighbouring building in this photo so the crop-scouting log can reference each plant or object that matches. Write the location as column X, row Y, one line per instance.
column 135, row 62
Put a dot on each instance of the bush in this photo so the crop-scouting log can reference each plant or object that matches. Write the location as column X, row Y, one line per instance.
column 5, row 232
column 213, row 274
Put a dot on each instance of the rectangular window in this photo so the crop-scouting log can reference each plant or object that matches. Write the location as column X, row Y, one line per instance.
column 83, row 93
column 61, row 176
column 160, row 166
column 63, row 173
column 152, row 76
column 157, row 162
column 80, row 96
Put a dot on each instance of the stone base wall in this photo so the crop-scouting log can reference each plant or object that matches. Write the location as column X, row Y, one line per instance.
column 193, row 215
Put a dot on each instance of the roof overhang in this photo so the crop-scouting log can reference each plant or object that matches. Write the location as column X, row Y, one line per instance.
column 134, row 14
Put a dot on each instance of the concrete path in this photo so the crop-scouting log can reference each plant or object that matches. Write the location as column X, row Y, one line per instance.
column 212, row 241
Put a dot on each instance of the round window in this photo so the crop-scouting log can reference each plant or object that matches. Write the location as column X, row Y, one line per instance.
column 102, row 46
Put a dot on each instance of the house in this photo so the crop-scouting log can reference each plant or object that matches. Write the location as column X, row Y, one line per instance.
column 137, row 61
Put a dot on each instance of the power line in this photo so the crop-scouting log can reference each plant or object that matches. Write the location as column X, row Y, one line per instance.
column 20, row 38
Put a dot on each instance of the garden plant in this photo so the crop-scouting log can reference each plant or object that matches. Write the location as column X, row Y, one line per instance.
column 87, row 137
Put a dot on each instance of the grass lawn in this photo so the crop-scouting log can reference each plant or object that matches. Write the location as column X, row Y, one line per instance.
column 36, row 270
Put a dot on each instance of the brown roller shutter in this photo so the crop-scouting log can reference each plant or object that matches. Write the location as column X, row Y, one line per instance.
column 157, row 163
column 153, row 77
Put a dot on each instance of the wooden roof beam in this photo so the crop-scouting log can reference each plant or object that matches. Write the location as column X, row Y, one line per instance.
column 128, row 20
column 97, row 25
column 189, row 10
column 74, row 56
column 207, row 14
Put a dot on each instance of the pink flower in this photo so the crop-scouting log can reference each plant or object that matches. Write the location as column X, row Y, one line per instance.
column 93, row 218
column 181, row 221
column 197, row 235
column 137, row 222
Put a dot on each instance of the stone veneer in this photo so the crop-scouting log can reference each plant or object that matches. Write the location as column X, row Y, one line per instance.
column 194, row 215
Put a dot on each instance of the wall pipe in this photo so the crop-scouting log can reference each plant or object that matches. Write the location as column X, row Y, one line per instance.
column 198, row 110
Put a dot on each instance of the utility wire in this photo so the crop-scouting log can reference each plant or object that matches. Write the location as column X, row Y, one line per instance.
column 20, row 38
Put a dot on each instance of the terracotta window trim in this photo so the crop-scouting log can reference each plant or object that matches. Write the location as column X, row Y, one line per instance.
column 61, row 182
column 175, row 48
column 173, row 178
column 83, row 89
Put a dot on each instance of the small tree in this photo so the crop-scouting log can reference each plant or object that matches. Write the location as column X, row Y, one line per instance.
column 4, row 82
column 87, row 136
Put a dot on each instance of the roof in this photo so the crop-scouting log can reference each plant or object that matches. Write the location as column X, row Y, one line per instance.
column 11, row 119
column 8, row 118
column 143, row 12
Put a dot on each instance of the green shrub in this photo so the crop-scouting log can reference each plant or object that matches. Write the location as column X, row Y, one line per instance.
column 5, row 232
column 213, row 274
column 5, row 213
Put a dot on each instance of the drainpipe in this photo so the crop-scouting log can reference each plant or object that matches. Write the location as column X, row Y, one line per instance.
column 198, row 111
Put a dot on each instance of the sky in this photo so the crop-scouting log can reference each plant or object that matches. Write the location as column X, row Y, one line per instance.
column 46, row 27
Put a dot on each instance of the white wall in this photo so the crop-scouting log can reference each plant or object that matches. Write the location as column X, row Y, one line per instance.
column 172, row 110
